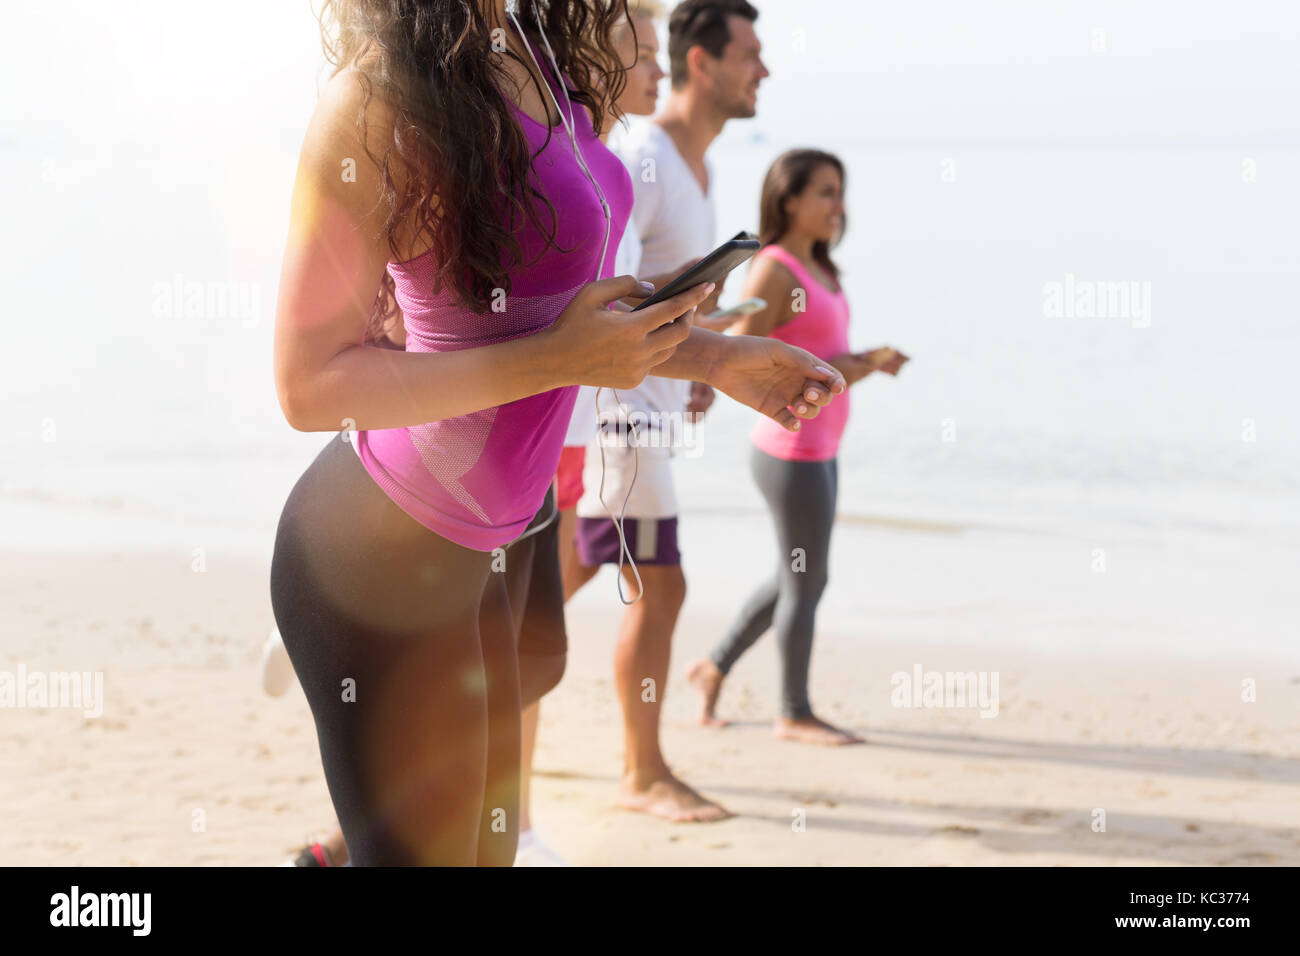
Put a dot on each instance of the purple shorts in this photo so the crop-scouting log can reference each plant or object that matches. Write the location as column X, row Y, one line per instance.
column 649, row 540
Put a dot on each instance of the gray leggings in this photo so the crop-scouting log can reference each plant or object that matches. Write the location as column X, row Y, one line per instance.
column 801, row 497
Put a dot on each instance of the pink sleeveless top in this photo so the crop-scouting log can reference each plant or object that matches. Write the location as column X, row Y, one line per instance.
column 823, row 329
column 478, row 480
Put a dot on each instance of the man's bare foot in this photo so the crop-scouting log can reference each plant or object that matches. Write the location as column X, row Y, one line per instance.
column 812, row 730
column 707, row 679
column 669, row 798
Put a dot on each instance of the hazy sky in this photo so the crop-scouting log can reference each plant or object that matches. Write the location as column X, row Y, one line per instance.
column 241, row 73
column 158, row 139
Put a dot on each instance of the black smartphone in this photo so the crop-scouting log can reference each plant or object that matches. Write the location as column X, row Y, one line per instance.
column 712, row 268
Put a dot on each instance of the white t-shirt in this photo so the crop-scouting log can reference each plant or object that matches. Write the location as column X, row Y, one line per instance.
column 627, row 259
column 675, row 223
column 672, row 223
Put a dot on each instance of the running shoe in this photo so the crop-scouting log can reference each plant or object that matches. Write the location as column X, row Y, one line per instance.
column 314, row 855
column 277, row 669
column 534, row 851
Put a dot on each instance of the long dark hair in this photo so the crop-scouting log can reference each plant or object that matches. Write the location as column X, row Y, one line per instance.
column 461, row 153
column 789, row 176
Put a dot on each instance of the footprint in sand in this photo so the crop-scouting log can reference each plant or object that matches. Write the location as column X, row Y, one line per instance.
column 957, row 830
column 1035, row 816
column 1149, row 789
column 1251, row 856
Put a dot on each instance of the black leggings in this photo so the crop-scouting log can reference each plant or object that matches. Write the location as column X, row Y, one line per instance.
column 405, row 645
column 801, row 497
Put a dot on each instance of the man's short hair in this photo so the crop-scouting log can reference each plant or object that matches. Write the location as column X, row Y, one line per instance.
column 701, row 23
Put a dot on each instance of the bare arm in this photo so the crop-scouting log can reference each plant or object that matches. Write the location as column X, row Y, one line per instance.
column 781, row 381
column 762, row 373
column 772, row 282
column 334, row 260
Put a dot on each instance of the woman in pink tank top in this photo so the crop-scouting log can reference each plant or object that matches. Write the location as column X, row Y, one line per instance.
column 802, row 215
column 453, row 169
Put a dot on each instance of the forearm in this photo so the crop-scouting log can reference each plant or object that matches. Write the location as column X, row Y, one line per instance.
column 367, row 387
column 696, row 359
column 851, row 367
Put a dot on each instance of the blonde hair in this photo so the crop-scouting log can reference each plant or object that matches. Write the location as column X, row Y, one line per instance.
column 635, row 10
column 646, row 8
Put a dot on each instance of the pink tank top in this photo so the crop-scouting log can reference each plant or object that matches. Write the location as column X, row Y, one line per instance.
column 479, row 479
column 823, row 329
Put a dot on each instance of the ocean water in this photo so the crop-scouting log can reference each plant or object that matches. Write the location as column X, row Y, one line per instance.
column 145, row 206
column 124, row 394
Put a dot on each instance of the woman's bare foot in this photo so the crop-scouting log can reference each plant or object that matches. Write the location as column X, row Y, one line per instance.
column 812, row 730
column 669, row 798
column 707, row 679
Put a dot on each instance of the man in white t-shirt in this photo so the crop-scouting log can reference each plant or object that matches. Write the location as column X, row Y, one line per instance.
column 716, row 69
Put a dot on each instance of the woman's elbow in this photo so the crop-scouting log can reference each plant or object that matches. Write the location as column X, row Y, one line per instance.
column 296, row 405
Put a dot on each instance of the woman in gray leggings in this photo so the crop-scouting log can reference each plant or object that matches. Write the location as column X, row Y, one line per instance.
column 802, row 215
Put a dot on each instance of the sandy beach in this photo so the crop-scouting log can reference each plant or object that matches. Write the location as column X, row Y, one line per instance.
column 191, row 764
column 1094, row 512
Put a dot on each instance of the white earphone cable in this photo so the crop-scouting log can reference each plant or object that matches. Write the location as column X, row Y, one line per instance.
column 570, row 127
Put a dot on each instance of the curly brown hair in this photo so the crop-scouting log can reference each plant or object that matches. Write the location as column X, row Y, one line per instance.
column 461, row 153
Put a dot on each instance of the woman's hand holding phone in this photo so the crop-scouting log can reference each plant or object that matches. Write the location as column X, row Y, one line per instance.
column 600, row 341
column 655, row 282
column 712, row 268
